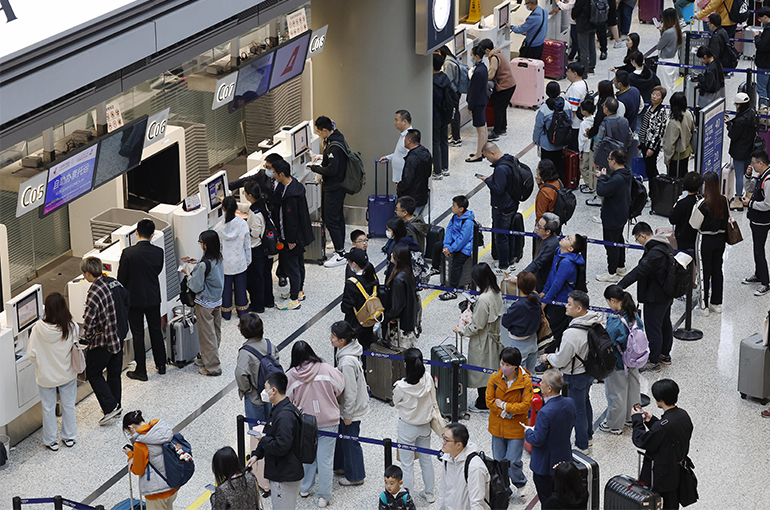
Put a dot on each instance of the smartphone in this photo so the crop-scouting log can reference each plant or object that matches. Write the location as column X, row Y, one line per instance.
column 129, row 447
column 479, row 176
column 656, row 22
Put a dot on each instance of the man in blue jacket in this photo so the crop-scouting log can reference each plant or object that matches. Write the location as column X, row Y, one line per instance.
column 615, row 188
column 504, row 192
column 550, row 437
column 630, row 97
column 458, row 242
column 534, row 28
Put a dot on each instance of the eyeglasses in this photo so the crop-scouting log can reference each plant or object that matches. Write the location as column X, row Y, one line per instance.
column 445, row 440
column 361, row 241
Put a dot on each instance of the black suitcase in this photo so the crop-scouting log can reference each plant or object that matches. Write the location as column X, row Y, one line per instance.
column 435, row 235
column 382, row 373
column 664, row 192
column 624, row 493
column 465, row 277
column 589, row 472
column 442, row 377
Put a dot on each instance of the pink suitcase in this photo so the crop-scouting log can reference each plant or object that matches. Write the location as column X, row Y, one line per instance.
column 649, row 9
column 555, row 59
column 530, row 82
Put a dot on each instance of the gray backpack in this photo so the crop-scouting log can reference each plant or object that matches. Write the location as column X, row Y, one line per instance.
column 599, row 11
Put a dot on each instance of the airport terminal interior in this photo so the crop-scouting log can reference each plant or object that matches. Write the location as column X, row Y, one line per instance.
column 166, row 144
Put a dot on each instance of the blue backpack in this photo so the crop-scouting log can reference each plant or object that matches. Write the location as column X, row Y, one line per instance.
column 268, row 365
column 178, row 470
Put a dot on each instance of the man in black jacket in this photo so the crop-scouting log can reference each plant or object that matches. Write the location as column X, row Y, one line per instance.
column 586, row 31
column 665, row 441
column 278, row 445
column 762, row 58
column 441, row 88
column 504, row 190
column 138, row 271
column 719, row 44
column 296, row 233
column 650, row 274
column 615, row 188
column 548, row 228
column 333, row 168
column 416, row 174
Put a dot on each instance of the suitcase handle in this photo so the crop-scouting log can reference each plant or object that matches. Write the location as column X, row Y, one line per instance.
column 387, row 168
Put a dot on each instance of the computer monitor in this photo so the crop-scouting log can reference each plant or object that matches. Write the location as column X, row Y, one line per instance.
column 300, row 140
column 460, row 43
column 119, row 152
column 156, row 180
column 70, row 178
column 25, row 309
column 216, row 192
column 290, row 59
column 253, row 81
column 133, row 238
column 503, row 14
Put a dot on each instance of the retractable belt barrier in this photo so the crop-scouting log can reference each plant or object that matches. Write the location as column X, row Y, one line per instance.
column 588, row 239
column 58, row 503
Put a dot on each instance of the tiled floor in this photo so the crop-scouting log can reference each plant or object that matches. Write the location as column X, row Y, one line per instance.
column 728, row 445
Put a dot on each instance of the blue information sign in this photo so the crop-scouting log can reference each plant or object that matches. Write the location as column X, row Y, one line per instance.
column 70, row 179
column 711, row 132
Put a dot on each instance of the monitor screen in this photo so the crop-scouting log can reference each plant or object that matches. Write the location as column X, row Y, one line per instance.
column 459, row 42
column 119, row 152
column 70, row 179
column 253, row 80
column 290, row 60
column 300, row 141
column 504, row 15
column 133, row 238
column 216, row 192
column 156, row 180
column 27, row 312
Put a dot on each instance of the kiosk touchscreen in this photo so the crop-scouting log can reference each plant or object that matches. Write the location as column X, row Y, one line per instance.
column 460, row 42
column 215, row 193
column 300, row 140
column 70, row 179
column 212, row 192
column 25, row 309
column 503, row 15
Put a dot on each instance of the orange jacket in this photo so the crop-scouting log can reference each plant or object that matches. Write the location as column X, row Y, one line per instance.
column 546, row 198
column 141, row 456
column 721, row 7
column 517, row 400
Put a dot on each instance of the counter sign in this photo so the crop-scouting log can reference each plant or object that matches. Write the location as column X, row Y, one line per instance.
column 31, row 194
column 225, row 90
column 156, row 127
column 317, row 41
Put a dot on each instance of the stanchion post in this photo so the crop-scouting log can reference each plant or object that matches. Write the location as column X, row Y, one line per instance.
column 58, row 503
column 16, row 503
column 387, row 445
column 99, row 507
column 688, row 334
column 241, row 439
column 751, row 91
column 455, row 397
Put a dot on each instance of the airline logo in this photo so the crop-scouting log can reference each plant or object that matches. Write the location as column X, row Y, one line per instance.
column 292, row 60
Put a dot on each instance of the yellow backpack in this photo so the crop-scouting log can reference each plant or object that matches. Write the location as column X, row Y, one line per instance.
column 371, row 311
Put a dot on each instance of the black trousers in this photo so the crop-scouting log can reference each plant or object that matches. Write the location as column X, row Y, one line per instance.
column 294, row 265
column 440, row 147
column 136, row 318
column 657, row 325
column 759, row 239
column 502, row 100
column 333, row 203
column 651, row 163
column 572, row 144
column 711, row 255
column 544, row 486
column 455, row 126
column 535, row 53
column 616, row 257
column 259, row 281
column 107, row 392
column 678, row 168
column 458, row 261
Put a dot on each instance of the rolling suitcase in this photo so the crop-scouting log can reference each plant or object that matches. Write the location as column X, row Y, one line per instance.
column 528, row 73
column 728, row 181
column 382, row 373
column 380, row 208
column 442, row 377
column 589, row 472
column 754, row 368
column 555, row 59
column 131, row 503
column 182, row 344
column 435, row 235
column 664, row 192
column 489, row 112
column 649, row 9
column 316, row 251
column 465, row 277
column 518, row 250
column 571, row 177
column 690, row 91
column 624, row 493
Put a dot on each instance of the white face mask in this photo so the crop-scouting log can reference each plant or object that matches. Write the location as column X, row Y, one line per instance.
column 264, row 397
column 270, row 173
column 389, row 234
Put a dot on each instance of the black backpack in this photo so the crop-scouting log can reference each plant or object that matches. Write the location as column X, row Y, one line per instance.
column 307, row 444
column 739, row 12
column 600, row 361
column 638, row 198
column 560, row 128
column 678, row 277
column 122, row 299
column 448, row 103
column 599, row 11
column 522, row 175
column 498, row 480
column 268, row 365
column 565, row 204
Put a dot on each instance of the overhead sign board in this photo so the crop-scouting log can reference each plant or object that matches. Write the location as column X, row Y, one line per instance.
column 225, row 90
column 31, row 194
column 156, row 127
column 317, row 41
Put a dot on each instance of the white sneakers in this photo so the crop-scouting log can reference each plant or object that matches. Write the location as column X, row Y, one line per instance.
column 336, row 260
column 607, row 277
column 322, row 503
column 715, row 308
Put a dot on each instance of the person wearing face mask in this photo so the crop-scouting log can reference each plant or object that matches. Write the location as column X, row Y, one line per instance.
column 397, row 233
column 259, row 274
column 509, row 395
column 353, row 298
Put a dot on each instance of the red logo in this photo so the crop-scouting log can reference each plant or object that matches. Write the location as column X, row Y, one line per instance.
column 290, row 64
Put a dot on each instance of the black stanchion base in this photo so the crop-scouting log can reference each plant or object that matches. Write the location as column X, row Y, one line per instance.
column 645, row 400
column 688, row 335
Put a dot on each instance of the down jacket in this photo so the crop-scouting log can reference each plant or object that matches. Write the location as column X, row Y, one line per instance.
column 148, row 449
column 517, row 398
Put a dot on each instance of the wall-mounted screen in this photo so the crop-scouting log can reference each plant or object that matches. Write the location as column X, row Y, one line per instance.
column 300, row 141
column 156, row 180
column 70, row 179
column 253, row 81
column 216, row 192
column 119, row 152
column 27, row 312
column 290, row 60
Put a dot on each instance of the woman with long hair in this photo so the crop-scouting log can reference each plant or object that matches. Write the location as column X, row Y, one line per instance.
column 235, row 488
column 676, row 139
column 622, row 386
column 668, row 50
column 414, row 404
column 235, row 236
column 452, row 69
column 742, row 130
column 401, row 298
column 314, row 387
column 259, row 274
column 522, row 320
column 710, row 217
column 632, row 46
column 553, row 104
column 483, row 332
column 396, row 232
column 50, row 349
column 568, row 491
column 206, row 280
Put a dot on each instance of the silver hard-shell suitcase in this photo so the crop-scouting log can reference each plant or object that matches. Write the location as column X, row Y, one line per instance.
column 754, row 368
column 182, row 344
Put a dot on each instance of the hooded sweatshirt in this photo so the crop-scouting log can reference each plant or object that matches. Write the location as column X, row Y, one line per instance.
column 543, row 121
column 235, row 236
column 454, row 491
column 418, row 230
column 522, row 318
column 413, row 401
column 247, row 368
column 498, row 184
column 651, row 271
column 314, row 388
column 148, row 449
column 644, row 81
column 354, row 399
column 459, row 233
column 563, row 275
column 52, row 354
column 574, row 343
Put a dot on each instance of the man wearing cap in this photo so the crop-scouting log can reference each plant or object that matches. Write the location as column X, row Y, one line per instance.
column 742, row 130
column 358, row 288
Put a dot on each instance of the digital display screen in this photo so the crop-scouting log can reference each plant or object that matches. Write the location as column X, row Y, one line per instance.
column 27, row 312
column 300, row 141
column 119, row 152
column 504, row 15
column 459, row 42
column 216, row 192
column 133, row 238
column 70, row 179
column 290, row 60
column 253, row 81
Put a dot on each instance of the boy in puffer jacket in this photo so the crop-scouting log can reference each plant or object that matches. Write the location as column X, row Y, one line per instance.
column 395, row 497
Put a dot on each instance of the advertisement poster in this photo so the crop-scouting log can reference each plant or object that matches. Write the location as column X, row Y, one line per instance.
column 70, row 179
column 712, row 125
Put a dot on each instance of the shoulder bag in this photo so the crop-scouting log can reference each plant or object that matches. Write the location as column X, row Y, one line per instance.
column 78, row 358
column 437, row 422
column 734, row 235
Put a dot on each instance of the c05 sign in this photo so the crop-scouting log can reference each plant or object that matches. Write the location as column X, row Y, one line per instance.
column 31, row 194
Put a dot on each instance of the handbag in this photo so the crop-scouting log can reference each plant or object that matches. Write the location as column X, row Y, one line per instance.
column 437, row 422
column 78, row 358
column 688, row 483
column 544, row 333
column 524, row 47
column 734, row 235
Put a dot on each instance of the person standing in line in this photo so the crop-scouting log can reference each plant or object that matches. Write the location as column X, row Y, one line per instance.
column 509, row 396
column 762, row 57
column 259, row 274
column 654, row 120
column 710, row 217
column 413, row 400
column 615, row 189
column 314, row 387
column 547, row 228
column 642, row 78
column 676, row 140
column 353, row 299
column 504, row 192
column 630, row 97
column 586, row 32
column 442, row 90
column 477, row 103
column 742, row 130
column 621, row 387
column 550, row 437
column 547, row 179
column 665, row 441
column 296, row 233
column 278, row 445
column 668, row 51
column 461, row 456
column 680, row 215
column 395, row 496
column 235, row 489
column 483, row 332
column 235, row 236
column 505, row 85
column 522, row 320
column 719, row 42
column 206, row 280
column 101, row 333
column 649, row 275
column 632, row 46
column 406, row 208
column 333, row 167
column 614, row 131
column 457, row 242
column 575, row 94
column 711, row 83
column 759, row 221
column 415, row 179
column 568, row 491
column 567, row 5
column 50, row 349
column 625, row 13
column 400, row 301
column 452, row 70
column 543, row 120
column 403, row 123
column 585, row 147
column 354, row 404
column 534, row 28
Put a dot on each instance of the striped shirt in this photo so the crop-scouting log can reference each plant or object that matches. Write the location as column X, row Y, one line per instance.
column 100, row 321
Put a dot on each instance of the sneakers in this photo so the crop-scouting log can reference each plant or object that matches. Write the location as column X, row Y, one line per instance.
column 595, row 201
column 664, row 359
column 205, row 371
column 53, row 447
column 445, row 172
column 436, row 177
column 303, row 494
column 335, row 261
column 586, row 452
column 434, row 271
column 607, row 277
column 322, row 503
column 446, row 296
column 541, row 367
column 288, row 304
column 751, row 279
column 109, row 416
column 347, row 483
column 736, row 204
column 429, row 496
column 456, row 143
column 761, row 291
column 705, row 312
column 621, row 271
column 628, row 424
column 715, row 308
column 650, row 367
column 69, row 443
column 585, row 188
column 619, row 44
column 300, row 296
column 603, row 55
column 198, row 362
column 605, row 428
column 519, row 492
column 493, row 136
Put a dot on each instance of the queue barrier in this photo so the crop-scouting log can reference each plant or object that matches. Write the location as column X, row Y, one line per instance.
column 58, row 503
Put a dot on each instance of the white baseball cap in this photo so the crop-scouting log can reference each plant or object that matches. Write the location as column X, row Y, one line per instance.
column 741, row 98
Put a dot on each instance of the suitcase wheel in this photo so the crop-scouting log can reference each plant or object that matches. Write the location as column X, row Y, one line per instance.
column 743, row 396
column 180, row 364
column 763, row 401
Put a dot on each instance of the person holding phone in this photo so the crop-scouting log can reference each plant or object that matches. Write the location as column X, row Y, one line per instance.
column 235, row 488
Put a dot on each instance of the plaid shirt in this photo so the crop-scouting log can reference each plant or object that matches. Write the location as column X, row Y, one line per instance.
column 100, row 321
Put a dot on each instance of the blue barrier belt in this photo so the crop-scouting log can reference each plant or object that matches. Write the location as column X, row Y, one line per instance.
column 65, row 502
column 588, row 239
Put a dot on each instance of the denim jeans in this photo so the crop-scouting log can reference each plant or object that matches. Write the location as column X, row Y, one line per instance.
column 762, row 87
column 740, row 171
column 510, row 449
column 580, row 392
column 255, row 412
column 237, row 282
column 69, row 425
column 417, row 435
column 323, row 465
column 506, row 245
column 348, row 454
column 527, row 347
column 625, row 12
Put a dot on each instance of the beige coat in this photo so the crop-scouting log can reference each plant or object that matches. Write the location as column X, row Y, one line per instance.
column 676, row 140
column 484, row 332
